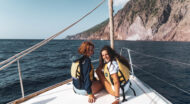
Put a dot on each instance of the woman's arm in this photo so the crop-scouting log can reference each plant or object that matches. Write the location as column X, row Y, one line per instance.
column 116, row 87
column 87, row 82
column 86, row 75
column 116, row 84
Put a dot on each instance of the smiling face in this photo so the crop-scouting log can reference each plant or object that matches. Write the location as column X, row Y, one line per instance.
column 105, row 56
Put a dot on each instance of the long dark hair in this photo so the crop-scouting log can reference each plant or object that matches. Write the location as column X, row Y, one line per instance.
column 113, row 55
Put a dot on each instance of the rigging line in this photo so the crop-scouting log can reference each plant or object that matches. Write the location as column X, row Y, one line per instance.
column 159, row 57
column 52, row 37
column 162, row 80
column 29, row 50
column 11, row 58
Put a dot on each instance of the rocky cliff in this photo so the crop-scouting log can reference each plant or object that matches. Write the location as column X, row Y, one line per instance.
column 160, row 20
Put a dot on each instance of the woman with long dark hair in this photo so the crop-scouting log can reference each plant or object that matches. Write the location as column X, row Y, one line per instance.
column 113, row 72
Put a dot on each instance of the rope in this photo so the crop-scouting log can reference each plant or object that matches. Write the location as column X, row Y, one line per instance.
column 162, row 80
column 29, row 50
column 159, row 58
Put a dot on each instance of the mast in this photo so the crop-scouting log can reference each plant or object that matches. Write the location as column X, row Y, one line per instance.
column 111, row 23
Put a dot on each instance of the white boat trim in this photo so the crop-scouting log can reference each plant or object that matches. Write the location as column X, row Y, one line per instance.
column 64, row 94
column 20, row 100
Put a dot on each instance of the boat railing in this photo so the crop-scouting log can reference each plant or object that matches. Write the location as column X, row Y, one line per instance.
column 153, row 75
column 4, row 64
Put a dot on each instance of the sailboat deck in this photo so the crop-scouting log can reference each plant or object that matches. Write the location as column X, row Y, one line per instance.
column 65, row 95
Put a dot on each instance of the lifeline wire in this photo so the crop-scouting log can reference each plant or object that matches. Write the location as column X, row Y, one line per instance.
column 159, row 57
column 162, row 80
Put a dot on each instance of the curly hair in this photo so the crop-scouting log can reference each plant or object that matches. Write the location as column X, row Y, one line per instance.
column 112, row 54
column 85, row 47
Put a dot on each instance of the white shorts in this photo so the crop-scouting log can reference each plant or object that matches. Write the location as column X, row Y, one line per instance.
column 79, row 91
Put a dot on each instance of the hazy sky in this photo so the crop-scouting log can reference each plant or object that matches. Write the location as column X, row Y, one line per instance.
column 39, row 19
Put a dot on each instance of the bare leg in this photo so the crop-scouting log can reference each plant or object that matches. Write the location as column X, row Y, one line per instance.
column 96, row 86
column 103, row 80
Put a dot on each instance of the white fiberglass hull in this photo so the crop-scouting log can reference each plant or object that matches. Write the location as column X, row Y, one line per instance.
column 64, row 95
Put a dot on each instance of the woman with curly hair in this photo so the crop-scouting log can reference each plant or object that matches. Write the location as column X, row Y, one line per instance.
column 85, row 83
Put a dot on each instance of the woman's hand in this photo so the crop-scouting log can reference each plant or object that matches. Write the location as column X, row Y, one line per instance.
column 91, row 98
column 116, row 84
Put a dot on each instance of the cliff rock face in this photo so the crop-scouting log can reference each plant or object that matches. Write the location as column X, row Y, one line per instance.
column 160, row 20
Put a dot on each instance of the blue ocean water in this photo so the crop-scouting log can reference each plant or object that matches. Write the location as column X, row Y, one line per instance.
column 51, row 63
